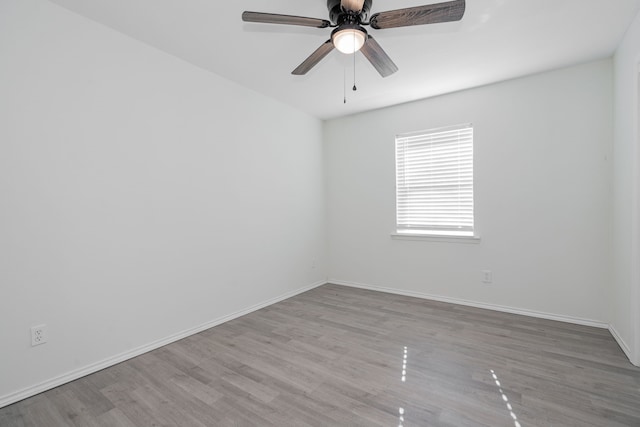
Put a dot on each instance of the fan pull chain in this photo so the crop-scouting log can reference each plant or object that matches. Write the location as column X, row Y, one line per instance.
column 354, row 64
column 344, row 84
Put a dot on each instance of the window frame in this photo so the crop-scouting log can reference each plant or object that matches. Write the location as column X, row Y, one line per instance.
column 422, row 232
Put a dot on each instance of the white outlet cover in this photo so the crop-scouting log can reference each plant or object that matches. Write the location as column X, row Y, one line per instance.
column 487, row 276
column 38, row 335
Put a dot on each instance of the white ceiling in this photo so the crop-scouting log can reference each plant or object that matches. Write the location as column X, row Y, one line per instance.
column 496, row 40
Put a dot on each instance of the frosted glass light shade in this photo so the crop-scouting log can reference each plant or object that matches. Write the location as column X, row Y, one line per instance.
column 349, row 40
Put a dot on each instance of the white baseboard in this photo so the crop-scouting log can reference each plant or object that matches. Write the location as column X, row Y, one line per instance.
column 494, row 307
column 111, row 361
column 623, row 345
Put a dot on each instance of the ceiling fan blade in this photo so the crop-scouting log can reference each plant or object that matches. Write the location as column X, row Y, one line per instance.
column 378, row 57
column 314, row 58
column 420, row 15
column 274, row 18
column 352, row 5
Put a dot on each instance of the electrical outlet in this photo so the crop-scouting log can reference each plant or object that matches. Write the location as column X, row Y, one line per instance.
column 38, row 335
column 487, row 276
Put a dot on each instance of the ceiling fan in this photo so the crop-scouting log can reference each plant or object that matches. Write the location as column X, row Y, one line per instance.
column 348, row 18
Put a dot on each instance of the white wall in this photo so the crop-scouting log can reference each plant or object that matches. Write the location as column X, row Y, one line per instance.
column 626, row 279
column 140, row 197
column 542, row 196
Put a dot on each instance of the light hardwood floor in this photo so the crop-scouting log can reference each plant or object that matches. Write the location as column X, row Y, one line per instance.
column 337, row 356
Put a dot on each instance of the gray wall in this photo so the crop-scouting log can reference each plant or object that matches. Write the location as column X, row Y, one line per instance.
column 141, row 197
column 542, row 196
column 626, row 251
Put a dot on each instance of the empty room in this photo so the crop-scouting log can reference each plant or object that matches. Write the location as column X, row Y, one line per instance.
column 320, row 213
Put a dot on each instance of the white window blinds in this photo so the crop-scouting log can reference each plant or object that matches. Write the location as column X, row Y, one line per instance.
column 434, row 181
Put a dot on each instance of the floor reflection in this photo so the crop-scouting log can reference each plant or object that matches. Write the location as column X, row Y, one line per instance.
column 405, row 360
column 505, row 399
column 404, row 364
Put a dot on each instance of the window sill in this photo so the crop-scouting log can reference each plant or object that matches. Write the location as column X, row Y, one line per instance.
column 436, row 238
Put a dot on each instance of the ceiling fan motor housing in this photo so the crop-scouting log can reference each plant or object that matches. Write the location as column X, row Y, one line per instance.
column 338, row 16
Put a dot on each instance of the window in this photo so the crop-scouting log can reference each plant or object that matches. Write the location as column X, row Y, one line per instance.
column 434, row 182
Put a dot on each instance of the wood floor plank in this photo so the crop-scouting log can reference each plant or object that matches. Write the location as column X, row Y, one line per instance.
column 114, row 418
column 11, row 417
column 338, row 356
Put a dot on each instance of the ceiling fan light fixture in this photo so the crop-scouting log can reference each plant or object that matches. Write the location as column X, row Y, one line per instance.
column 349, row 40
